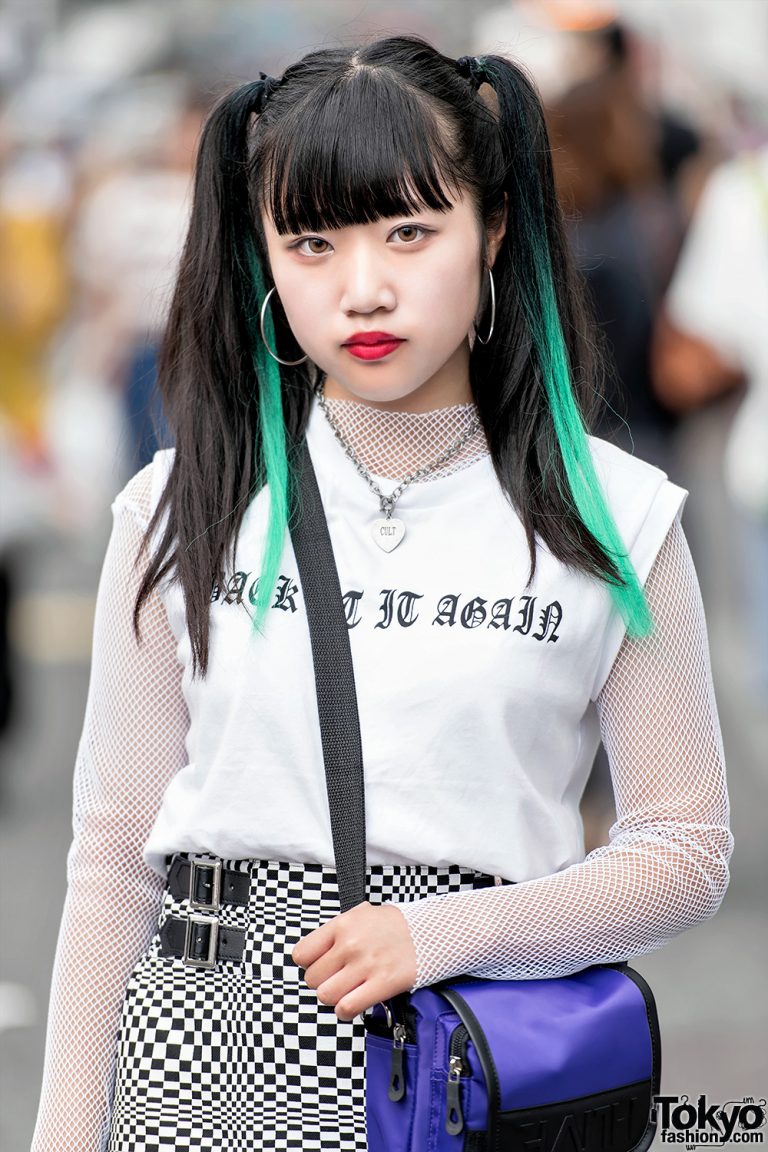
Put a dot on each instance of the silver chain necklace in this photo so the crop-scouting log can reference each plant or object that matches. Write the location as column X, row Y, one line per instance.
column 388, row 530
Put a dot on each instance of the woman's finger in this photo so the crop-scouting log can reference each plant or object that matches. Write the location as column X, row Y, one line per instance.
column 314, row 944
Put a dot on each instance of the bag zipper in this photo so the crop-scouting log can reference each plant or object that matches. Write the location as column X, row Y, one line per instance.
column 401, row 1035
column 458, row 1066
column 396, row 1068
column 457, row 1060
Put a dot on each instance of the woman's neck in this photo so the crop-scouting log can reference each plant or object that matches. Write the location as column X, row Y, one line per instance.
column 394, row 443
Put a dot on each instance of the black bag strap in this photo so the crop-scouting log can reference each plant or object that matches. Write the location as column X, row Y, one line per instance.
column 335, row 681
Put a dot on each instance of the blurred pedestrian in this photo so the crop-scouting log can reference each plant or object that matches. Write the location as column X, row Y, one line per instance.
column 34, row 283
column 714, row 341
column 126, row 250
column 621, row 167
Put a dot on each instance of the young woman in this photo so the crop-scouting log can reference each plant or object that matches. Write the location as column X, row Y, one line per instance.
column 375, row 262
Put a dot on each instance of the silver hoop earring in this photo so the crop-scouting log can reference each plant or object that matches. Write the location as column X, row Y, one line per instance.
column 264, row 338
column 493, row 310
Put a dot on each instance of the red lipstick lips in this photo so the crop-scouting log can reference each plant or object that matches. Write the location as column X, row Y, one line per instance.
column 372, row 345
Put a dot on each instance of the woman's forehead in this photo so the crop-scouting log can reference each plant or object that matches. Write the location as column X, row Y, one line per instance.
column 359, row 153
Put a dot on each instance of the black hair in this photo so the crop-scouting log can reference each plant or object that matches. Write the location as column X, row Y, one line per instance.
column 348, row 136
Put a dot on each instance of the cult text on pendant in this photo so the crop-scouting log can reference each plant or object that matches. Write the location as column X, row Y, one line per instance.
column 388, row 532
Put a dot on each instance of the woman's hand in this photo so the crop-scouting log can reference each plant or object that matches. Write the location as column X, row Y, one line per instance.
column 359, row 958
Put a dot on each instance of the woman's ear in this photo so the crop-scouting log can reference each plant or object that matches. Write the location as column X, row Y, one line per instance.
column 496, row 235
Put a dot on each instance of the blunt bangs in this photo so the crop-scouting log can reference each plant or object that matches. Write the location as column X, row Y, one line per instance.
column 362, row 148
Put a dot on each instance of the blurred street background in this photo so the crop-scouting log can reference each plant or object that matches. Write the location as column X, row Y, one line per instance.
column 659, row 115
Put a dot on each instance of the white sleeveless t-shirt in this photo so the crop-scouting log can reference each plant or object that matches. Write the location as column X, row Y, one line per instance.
column 475, row 692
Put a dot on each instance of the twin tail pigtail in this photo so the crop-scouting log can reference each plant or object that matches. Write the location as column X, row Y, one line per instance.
column 237, row 271
column 531, row 190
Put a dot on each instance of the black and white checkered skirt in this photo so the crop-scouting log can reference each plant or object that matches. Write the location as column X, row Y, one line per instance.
column 241, row 1055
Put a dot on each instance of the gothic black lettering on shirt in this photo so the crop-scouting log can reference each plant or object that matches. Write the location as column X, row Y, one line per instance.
column 403, row 608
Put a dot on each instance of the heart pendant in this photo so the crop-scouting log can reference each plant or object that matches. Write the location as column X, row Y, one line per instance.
column 388, row 533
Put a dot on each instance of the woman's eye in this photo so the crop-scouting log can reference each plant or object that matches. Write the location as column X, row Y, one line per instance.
column 310, row 240
column 410, row 238
column 410, row 228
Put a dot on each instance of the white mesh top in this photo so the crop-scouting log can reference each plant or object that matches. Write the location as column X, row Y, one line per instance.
column 664, row 869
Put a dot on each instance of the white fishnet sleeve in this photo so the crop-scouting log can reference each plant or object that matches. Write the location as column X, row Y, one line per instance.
column 665, row 867
column 132, row 743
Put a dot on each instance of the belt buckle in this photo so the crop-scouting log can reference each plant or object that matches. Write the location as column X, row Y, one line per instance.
column 200, row 864
column 210, row 960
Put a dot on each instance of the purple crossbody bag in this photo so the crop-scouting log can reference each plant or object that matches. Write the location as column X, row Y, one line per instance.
column 569, row 1064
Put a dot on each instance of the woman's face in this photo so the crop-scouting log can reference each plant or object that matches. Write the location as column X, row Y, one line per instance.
column 416, row 277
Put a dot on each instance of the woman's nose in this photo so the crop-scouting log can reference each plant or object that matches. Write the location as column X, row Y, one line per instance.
column 367, row 283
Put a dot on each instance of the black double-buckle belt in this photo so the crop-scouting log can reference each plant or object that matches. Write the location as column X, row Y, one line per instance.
column 200, row 940
column 207, row 883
